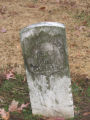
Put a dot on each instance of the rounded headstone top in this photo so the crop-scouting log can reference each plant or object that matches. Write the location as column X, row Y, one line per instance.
column 41, row 24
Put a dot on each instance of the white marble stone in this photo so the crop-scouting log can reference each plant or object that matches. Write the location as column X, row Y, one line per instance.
column 46, row 61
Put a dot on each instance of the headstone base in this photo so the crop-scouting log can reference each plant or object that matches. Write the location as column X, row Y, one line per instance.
column 51, row 99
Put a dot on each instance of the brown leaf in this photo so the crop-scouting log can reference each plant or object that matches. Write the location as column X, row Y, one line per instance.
column 1, row 99
column 84, row 23
column 42, row 8
column 31, row 6
column 23, row 106
column 25, row 79
column 58, row 1
column 3, row 30
column 57, row 118
column 86, row 113
column 10, row 75
column 72, row 4
column 5, row 115
column 14, row 106
column 80, row 28
column 3, row 10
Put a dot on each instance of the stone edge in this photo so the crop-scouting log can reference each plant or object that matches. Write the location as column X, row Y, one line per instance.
column 42, row 24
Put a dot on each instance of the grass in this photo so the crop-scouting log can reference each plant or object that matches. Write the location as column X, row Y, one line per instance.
column 88, row 91
column 14, row 89
column 83, row 17
column 17, row 89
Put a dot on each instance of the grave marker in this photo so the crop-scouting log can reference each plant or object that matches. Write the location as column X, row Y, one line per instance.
column 47, row 70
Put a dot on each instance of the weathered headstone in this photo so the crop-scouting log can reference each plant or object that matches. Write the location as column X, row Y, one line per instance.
column 45, row 55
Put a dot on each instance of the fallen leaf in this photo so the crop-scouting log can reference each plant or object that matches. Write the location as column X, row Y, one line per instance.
column 72, row 4
column 5, row 115
column 86, row 113
column 58, row 1
column 3, row 10
column 58, row 118
column 84, row 23
column 23, row 106
column 31, row 6
column 80, row 27
column 1, row 99
column 10, row 75
column 14, row 106
column 42, row 8
column 24, row 79
column 3, row 30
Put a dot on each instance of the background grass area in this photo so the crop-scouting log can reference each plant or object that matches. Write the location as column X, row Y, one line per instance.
column 15, row 15
column 17, row 89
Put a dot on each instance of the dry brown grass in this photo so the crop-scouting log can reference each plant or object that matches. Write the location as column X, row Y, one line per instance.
column 17, row 14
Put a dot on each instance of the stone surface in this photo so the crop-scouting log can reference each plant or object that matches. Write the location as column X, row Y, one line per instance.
column 46, row 61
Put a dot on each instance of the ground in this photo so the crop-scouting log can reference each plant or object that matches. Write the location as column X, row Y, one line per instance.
column 74, row 14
